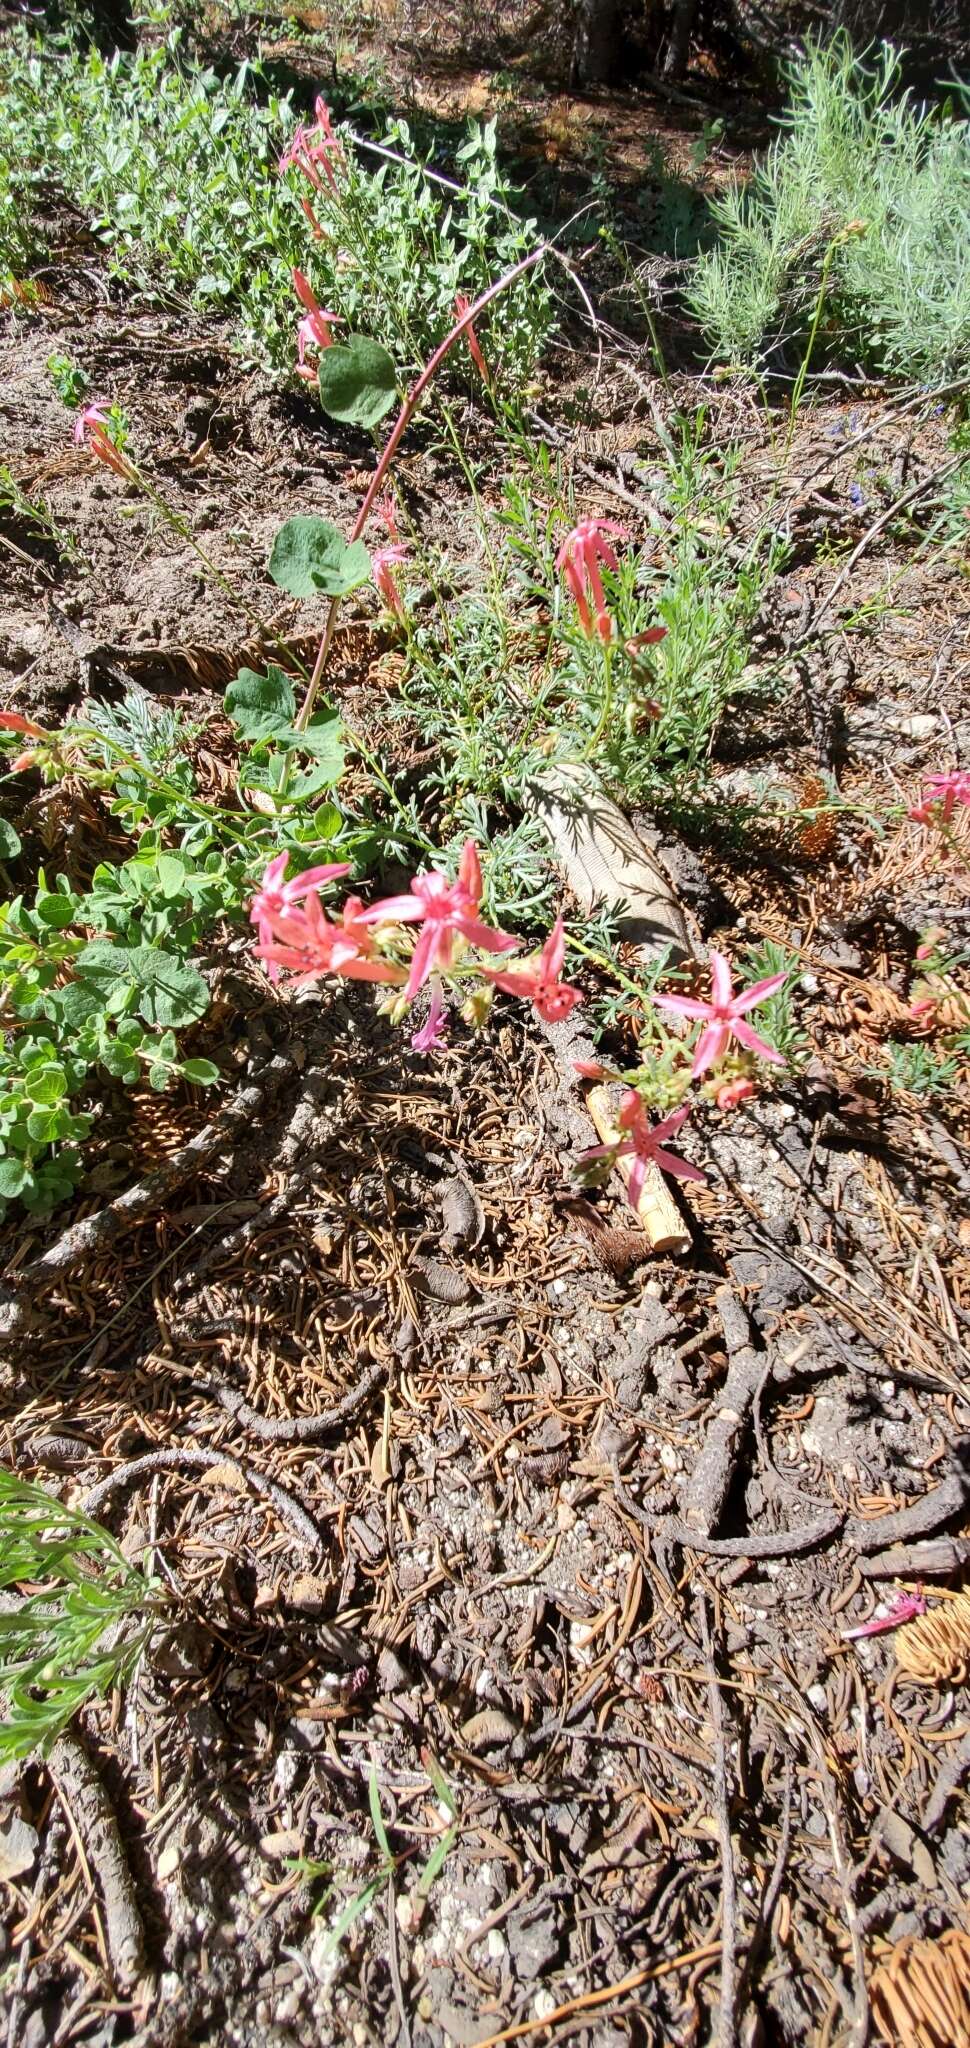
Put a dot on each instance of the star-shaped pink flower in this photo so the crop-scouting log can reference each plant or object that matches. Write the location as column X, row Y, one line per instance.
column 304, row 943
column 644, row 1143
column 540, row 982
column 941, row 794
column 274, row 898
column 723, row 1016
column 445, row 911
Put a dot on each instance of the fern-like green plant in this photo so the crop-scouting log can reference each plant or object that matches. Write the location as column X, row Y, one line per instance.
column 74, row 1615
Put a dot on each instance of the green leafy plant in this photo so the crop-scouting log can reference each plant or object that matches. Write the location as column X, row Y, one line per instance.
column 177, row 168
column 99, row 985
column 69, row 380
column 916, row 1069
column 30, row 520
column 75, row 1616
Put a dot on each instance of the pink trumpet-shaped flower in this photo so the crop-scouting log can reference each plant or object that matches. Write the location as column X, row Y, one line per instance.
column 907, row 1607
column 941, row 794
column 432, row 1036
column 92, row 431
column 644, row 1144
column 305, row 944
column 446, row 910
column 385, row 511
column 540, row 982
column 584, row 553
column 14, row 721
column 313, row 332
column 383, row 563
column 723, row 1016
column 462, row 305
column 274, row 898
column 309, row 147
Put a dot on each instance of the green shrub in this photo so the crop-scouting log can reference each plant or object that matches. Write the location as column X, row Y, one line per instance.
column 178, row 171
column 860, row 165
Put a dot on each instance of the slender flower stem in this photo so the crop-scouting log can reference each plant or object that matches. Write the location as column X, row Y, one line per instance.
column 607, row 704
column 391, row 445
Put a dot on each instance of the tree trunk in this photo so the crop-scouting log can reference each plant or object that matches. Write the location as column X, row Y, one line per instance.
column 595, row 47
column 678, row 48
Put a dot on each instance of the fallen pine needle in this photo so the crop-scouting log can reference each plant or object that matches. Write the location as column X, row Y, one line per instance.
column 590, row 1998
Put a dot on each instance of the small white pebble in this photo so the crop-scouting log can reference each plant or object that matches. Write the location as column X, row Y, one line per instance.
column 817, row 1697
column 543, row 2004
column 495, row 1944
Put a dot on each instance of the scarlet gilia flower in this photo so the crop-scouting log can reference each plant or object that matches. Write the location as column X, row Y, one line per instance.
column 462, row 306
column 446, row 911
column 734, row 1092
column 92, row 430
column 540, row 982
column 313, row 332
column 432, row 1036
column 644, row 1143
column 723, row 1016
column 383, row 563
column 310, row 147
column 305, row 944
column 941, row 794
column 585, row 552
column 274, row 898
column 13, row 721
column 385, row 511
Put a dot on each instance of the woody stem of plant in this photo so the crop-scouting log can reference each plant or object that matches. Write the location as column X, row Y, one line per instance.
column 409, row 407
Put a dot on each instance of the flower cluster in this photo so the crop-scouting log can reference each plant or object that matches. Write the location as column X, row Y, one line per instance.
column 312, row 150
column 722, row 1018
column 295, row 936
column 585, row 552
column 433, row 934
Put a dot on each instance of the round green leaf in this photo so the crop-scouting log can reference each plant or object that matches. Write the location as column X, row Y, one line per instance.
column 13, row 1175
column 261, row 706
column 202, row 1072
column 9, row 841
column 358, row 383
column 310, row 555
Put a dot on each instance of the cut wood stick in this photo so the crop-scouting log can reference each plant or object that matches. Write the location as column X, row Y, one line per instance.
column 605, row 861
column 656, row 1208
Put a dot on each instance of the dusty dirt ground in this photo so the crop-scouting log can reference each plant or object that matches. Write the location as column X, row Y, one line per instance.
column 513, row 1539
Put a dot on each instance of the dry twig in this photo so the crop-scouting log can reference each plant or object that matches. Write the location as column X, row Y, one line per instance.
column 86, row 1801
column 288, row 1509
